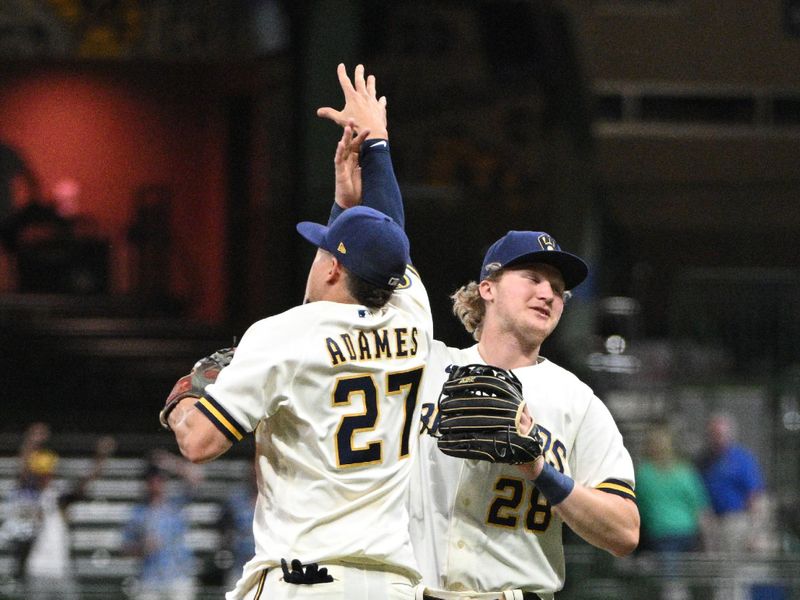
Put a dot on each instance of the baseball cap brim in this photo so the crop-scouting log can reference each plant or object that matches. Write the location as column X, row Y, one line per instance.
column 367, row 242
column 313, row 232
column 572, row 268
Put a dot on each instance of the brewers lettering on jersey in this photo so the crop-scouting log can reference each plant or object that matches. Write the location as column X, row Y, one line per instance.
column 485, row 527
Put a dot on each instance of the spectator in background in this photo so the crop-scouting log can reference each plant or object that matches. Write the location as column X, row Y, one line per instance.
column 32, row 222
column 735, row 485
column 674, row 507
column 673, row 501
column 157, row 531
column 52, row 247
column 36, row 523
column 21, row 203
column 36, row 239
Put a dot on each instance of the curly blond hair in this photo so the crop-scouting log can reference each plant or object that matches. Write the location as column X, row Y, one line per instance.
column 469, row 307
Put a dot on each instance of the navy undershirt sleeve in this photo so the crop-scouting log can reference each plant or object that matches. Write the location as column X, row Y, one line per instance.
column 379, row 187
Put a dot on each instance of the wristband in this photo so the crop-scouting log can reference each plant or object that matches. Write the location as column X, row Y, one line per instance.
column 372, row 144
column 553, row 484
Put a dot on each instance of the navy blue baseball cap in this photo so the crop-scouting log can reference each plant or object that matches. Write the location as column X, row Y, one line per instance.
column 367, row 242
column 533, row 246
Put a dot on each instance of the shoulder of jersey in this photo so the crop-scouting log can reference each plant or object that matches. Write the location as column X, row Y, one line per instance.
column 306, row 314
column 550, row 369
column 450, row 355
column 324, row 313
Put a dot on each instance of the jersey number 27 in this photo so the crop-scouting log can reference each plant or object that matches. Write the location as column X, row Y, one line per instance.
column 401, row 382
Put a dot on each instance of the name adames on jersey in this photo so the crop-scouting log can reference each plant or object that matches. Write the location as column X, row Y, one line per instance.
column 375, row 344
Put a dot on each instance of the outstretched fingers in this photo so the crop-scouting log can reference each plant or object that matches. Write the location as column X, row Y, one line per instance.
column 362, row 106
column 350, row 143
column 344, row 80
column 327, row 112
column 358, row 78
column 338, row 116
column 359, row 139
column 342, row 148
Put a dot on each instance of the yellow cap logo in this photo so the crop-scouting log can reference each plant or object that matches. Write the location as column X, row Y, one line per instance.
column 341, row 248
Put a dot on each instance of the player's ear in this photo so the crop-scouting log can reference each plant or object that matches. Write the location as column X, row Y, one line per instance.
column 334, row 272
column 486, row 288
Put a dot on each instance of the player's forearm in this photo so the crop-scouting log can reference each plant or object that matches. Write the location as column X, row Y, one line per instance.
column 604, row 520
column 199, row 441
column 379, row 187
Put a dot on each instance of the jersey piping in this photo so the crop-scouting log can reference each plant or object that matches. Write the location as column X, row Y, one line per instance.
column 220, row 418
column 618, row 488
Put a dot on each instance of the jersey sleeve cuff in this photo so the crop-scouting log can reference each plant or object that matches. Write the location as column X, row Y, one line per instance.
column 618, row 488
column 221, row 419
column 336, row 210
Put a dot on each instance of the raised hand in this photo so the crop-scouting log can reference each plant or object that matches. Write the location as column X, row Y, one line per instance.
column 362, row 106
column 348, row 172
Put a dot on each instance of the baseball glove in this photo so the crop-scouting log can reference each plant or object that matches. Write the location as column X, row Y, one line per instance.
column 480, row 407
column 193, row 384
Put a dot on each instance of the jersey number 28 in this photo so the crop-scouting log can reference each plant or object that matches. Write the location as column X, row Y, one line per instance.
column 504, row 509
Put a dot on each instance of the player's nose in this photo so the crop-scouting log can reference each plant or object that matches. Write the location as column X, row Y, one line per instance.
column 545, row 290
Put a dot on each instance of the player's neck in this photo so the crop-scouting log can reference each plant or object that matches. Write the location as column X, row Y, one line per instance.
column 337, row 293
column 507, row 351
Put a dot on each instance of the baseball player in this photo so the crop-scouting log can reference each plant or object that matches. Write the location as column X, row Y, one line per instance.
column 330, row 390
column 486, row 530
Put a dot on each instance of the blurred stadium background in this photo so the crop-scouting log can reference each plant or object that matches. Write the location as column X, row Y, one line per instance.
column 177, row 141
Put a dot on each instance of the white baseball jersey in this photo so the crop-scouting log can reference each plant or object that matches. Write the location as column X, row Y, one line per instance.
column 484, row 527
column 331, row 391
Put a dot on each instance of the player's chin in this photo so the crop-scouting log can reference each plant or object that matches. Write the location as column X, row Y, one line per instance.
column 542, row 325
column 550, row 322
